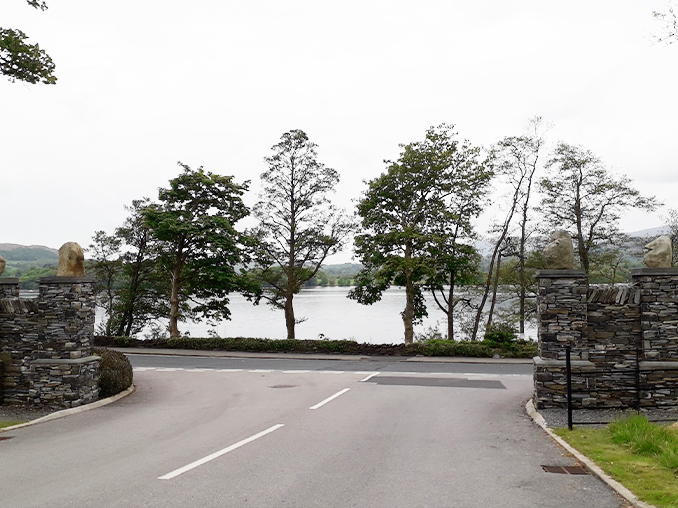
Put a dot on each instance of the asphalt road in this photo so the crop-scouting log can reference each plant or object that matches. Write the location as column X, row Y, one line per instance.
column 273, row 433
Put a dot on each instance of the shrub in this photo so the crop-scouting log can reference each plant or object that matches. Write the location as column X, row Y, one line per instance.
column 115, row 372
column 500, row 333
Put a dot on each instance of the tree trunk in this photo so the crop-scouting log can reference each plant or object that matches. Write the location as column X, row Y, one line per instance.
column 289, row 316
column 495, row 285
column 408, row 314
column 174, row 302
column 450, row 310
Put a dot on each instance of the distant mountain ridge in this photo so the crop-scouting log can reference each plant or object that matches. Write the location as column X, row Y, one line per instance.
column 14, row 252
column 7, row 247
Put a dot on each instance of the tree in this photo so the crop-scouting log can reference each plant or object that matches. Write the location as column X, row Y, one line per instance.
column 23, row 61
column 669, row 22
column 518, row 158
column 298, row 226
column 105, row 252
column 671, row 221
column 415, row 219
column 200, row 247
column 579, row 192
column 142, row 290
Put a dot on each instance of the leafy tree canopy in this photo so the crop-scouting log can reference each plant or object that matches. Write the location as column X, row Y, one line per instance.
column 200, row 247
column 23, row 61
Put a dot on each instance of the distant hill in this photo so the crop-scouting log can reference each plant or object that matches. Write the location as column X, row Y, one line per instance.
column 345, row 269
column 14, row 252
column 662, row 230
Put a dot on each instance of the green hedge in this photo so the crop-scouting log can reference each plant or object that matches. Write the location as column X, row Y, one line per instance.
column 115, row 372
column 438, row 347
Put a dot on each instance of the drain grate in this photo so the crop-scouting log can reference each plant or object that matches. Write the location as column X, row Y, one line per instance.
column 283, row 386
column 565, row 469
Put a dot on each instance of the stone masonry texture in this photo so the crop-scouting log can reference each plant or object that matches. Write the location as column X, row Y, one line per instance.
column 45, row 343
column 627, row 352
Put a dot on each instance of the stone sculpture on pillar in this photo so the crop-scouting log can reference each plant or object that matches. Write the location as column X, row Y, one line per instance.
column 559, row 253
column 658, row 253
column 2, row 265
column 71, row 261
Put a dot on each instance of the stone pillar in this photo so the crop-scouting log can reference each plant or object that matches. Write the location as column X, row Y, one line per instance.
column 659, row 334
column 561, row 322
column 9, row 290
column 63, row 370
column 562, row 317
column 9, row 287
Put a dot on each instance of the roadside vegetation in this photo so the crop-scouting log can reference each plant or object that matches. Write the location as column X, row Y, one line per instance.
column 115, row 372
column 641, row 455
column 10, row 423
column 431, row 346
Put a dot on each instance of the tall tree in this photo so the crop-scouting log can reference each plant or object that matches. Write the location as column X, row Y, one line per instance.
column 579, row 192
column 23, row 61
column 104, row 252
column 142, row 290
column 195, row 221
column 518, row 158
column 416, row 220
column 298, row 226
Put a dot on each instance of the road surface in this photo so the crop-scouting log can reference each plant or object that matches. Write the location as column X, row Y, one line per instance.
column 219, row 432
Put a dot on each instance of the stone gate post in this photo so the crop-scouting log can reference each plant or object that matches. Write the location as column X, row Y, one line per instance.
column 562, row 321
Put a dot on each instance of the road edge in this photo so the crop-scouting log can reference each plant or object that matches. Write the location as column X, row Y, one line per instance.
column 72, row 410
column 318, row 356
column 588, row 463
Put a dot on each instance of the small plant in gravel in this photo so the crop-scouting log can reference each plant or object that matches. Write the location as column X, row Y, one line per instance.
column 115, row 372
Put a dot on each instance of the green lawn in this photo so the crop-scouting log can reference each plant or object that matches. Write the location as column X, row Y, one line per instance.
column 9, row 423
column 640, row 455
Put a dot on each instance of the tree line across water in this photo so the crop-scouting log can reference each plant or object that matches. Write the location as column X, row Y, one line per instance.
column 181, row 255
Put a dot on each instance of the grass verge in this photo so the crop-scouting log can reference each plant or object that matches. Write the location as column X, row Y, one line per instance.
column 9, row 423
column 640, row 455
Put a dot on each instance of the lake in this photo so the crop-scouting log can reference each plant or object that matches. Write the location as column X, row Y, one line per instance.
column 329, row 314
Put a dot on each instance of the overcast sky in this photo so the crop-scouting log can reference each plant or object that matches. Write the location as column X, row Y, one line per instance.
column 143, row 84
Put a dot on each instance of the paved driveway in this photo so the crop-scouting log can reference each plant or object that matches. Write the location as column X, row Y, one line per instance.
column 224, row 436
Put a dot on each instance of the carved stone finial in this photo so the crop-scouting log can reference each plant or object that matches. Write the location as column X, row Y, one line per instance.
column 71, row 260
column 658, row 253
column 2, row 265
column 559, row 254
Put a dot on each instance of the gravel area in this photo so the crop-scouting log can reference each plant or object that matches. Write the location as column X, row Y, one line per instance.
column 601, row 417
column 21, row 413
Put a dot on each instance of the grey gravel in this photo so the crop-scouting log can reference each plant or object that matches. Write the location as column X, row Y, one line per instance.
column 600, row 417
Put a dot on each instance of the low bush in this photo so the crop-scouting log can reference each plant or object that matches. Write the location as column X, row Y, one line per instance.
column 432, row 346
column 500, row 333
column 115, row 372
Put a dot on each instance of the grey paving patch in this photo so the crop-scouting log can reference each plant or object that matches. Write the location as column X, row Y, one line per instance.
column 437, row 381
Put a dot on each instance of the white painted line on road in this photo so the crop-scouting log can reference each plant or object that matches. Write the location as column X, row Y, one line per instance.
column 329, row 371
column 215, row 455
column 143, row 369
column 168, row 369
column 296, row 371
column 260, row 370
column 369, row 377
column 328, row 399
column 199, row 370
column 228, row 370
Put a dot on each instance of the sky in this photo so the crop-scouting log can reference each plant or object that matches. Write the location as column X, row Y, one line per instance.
column 145, row 84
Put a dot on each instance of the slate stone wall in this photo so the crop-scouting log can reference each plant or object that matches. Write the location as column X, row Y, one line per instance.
column 627, row 355
column 45, row 344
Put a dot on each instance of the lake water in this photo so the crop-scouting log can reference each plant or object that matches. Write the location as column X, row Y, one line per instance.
column 329, row 313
